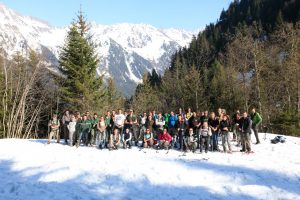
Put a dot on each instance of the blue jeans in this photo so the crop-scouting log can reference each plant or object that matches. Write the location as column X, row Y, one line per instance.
column 101, row 139
column 215, row 135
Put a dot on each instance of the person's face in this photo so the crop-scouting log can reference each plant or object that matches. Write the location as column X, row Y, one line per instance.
column 102, row 118
column 150, row 117
column 212, row 115
column 95, row 116
column 189, row 110
column 159, row 115
column 224, row 117
column 205, row 125
column 67, row 112
column 108, row 113
column 253, row 110
column 148, row 131
column 120, row 111
column 195, row 114
column 87, row 113
column 190, row 131
column 245, row 115
column 219, row 110
column 172, row 113
column 84, row 117
column 73, row 119
column 165, row 131
column 180, row 118
column 180, row 110
column 145, row 114
column 127, row 130
column 206, row 113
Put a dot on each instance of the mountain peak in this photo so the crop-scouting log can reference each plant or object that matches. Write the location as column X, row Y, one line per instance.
column 126, row 51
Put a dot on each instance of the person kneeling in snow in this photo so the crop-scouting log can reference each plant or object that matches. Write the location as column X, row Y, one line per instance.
column 148, row 139
column 126, row 138
column 165, row 139
column 115, row 140
column 190, row 141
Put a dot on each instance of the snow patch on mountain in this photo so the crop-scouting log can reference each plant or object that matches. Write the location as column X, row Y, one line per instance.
column 126, row 51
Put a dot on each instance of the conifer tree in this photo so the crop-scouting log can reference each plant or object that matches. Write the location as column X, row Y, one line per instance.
column 81, row 88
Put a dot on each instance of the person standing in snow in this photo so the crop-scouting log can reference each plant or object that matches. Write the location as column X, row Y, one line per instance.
column 160, row 123
column 204, row 118
column 225, row 126
column 172, row 127
column 205, row 133
column 150, row 123
column 256, row 120
column 235, row 127
column 181, row 128
column 189, row 114
column 119, row 121
column 84, row 128
column 245, row 129
column 65, row 121
column 109, row 123
column 94, row 121
column 142, row 123
column 213, row 123
column 54, row 125
column 101, row 133
column 72, row 128
column 132, row 124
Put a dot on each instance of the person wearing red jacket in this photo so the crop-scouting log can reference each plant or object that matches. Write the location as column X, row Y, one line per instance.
column 165, row 139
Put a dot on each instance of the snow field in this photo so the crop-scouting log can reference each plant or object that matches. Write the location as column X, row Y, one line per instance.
column 30, row 169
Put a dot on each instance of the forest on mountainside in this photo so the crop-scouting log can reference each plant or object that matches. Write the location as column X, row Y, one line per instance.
column 249, row 58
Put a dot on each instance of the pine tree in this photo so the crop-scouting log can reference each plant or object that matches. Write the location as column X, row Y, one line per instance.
column 145, row 99
column 80, row 87
column 113, row 96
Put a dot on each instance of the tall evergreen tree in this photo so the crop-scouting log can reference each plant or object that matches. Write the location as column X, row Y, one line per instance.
column 80, row 87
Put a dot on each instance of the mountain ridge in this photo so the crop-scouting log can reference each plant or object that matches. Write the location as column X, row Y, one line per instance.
column 129, row 49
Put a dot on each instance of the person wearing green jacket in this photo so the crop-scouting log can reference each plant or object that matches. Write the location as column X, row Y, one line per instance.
column 256, row 120
column 84, row 127
column 94, row 122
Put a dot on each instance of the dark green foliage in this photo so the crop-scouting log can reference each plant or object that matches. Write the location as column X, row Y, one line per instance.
column 250, row 57
column 80, row 87
column 287, row 123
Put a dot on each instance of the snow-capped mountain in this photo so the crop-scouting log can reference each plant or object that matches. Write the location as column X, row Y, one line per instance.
column 126, row 51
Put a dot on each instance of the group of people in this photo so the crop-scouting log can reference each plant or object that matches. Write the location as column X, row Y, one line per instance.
column 183, row 131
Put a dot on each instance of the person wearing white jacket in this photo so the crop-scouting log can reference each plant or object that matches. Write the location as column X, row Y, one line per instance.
column 205, row 133
column 72, row 128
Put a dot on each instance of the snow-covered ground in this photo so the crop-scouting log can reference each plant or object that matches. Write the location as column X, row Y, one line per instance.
column 29, row 169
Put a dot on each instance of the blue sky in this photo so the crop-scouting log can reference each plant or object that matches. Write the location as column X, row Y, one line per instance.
column 186, row 14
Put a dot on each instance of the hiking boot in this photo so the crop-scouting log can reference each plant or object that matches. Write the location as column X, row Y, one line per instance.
column 242, row 150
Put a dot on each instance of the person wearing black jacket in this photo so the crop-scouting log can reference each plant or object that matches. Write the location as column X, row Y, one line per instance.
column 181, row 125
column 245, row 129
column 213, row 123
column 225, row 126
